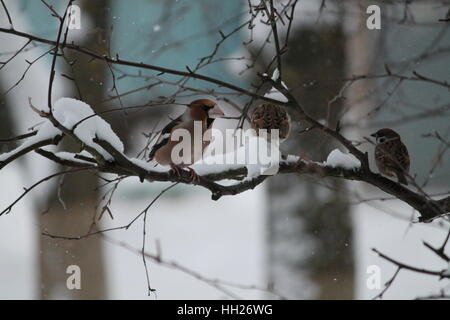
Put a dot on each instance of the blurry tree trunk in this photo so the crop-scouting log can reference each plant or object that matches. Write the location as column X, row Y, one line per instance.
column 364, row 51
column 309, row 223
column 7, row 128
column 78, row 192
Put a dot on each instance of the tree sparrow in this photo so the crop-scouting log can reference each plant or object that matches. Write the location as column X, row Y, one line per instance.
column 270, row 116
column 391, row 155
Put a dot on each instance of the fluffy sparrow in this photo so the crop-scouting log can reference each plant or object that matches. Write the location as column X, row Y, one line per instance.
column 270, row 116
column 391, row 155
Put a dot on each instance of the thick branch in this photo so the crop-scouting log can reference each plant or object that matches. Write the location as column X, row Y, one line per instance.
column 429, row 209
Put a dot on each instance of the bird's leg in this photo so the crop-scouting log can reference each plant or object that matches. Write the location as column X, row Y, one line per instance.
column 175, row 169
column 193, row 176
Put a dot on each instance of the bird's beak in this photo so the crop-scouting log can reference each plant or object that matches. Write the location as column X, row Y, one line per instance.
column 374, row 135
column 216, row 112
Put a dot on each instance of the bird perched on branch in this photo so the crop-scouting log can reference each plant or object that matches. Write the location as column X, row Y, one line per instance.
column 391, row 155
column 270, row 116
column 199, row 114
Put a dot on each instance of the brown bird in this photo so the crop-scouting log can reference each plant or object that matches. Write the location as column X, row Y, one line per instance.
column 203, row 111
column 391, row 155
column 270, row 116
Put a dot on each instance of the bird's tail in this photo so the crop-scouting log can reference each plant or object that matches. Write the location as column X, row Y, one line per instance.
column 401, row 177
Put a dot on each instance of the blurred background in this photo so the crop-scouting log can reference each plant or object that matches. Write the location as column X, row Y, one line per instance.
column 296, row 237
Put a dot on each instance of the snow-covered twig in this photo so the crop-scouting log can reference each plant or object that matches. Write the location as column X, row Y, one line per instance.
column 97, row 137
column 46, row 135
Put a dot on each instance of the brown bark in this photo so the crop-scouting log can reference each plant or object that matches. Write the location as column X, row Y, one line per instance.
column 78, row 191
column 310, row 231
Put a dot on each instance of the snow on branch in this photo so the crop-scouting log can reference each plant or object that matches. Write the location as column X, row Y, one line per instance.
column 46, row 135
column 104, row 152
column 74, row 116
column 337, row 158
column 77, row 116
column 274, row 93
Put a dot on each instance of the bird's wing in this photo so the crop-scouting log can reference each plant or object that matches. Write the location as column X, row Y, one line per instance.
column 268, row 116
column 164, row 136
column 403, row 157
column 395, row 156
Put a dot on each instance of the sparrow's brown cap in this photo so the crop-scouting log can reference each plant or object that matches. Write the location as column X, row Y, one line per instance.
column 385, row 132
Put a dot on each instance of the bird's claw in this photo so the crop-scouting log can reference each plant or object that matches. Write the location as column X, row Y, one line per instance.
column 175, row 170
column 193, row 176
